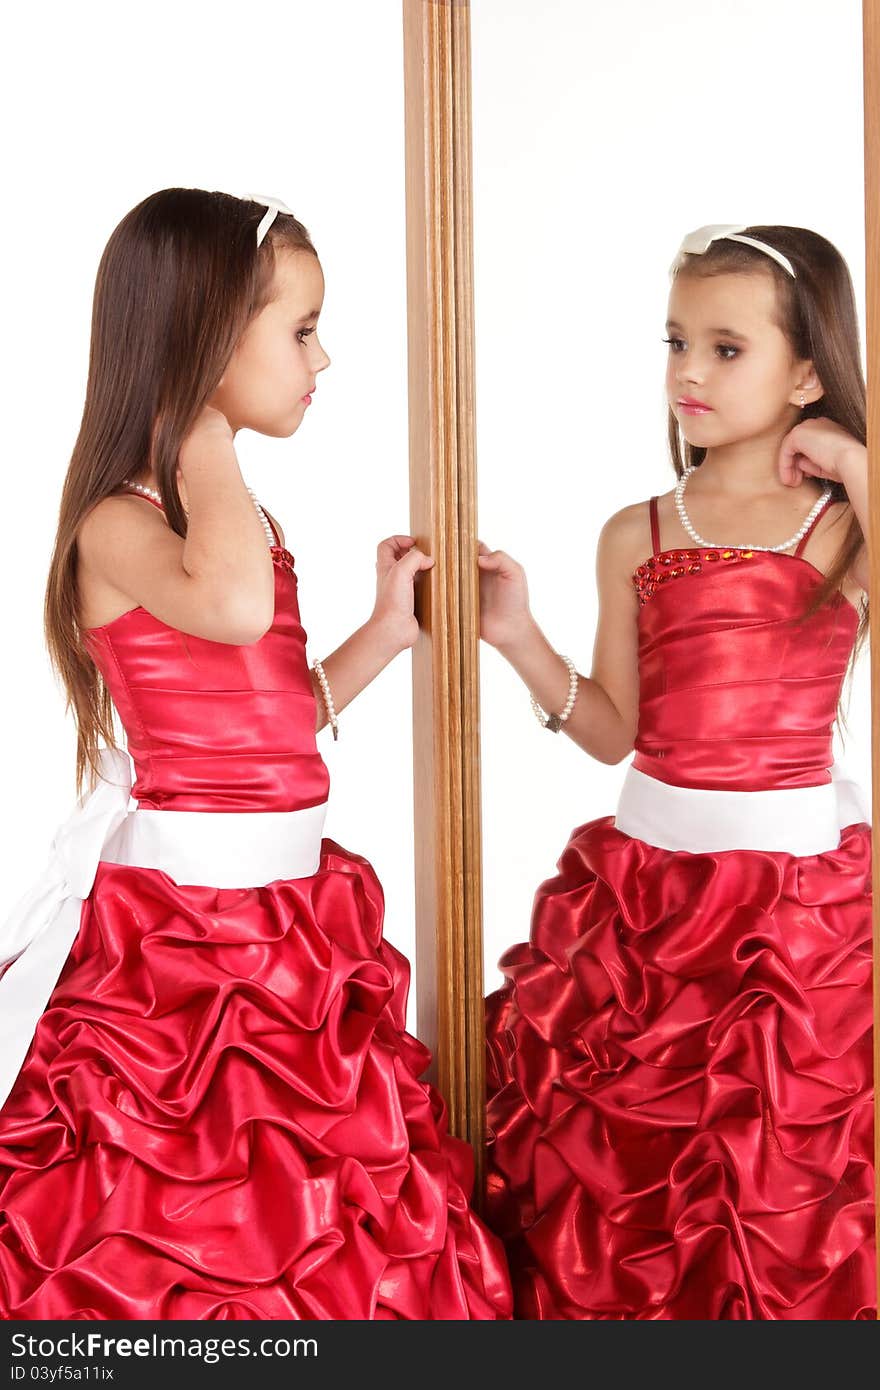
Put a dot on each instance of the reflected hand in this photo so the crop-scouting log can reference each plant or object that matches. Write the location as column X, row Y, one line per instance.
column 819, row 448
column 504, row 597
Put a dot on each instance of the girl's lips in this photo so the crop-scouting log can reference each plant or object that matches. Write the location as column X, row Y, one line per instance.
column 694, row 407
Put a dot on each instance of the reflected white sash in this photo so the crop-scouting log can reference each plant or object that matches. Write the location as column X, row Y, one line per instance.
column 791, row 820
column 228, row 849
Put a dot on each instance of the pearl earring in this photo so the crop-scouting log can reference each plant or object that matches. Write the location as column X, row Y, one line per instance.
column 803, row 400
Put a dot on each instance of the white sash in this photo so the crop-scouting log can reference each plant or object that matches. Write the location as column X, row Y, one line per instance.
column 792, row 820
column 229, row 849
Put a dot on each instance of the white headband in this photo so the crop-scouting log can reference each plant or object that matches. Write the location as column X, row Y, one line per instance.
column 273, row 207
column 695, row 243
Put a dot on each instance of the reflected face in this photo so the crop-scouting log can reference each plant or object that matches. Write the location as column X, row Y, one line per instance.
column 272, row 372
column 728, row 355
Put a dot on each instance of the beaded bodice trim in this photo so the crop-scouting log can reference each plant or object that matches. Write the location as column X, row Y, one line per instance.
column 672, row 564
column 664, row 565
column 281, row 556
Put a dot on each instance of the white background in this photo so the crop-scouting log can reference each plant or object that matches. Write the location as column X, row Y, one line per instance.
column 602, row 134
column 105, row 104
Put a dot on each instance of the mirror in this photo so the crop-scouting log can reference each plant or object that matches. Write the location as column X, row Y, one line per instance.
column 601, row 136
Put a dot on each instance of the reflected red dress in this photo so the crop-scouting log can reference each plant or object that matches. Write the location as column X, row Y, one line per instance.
column 680, row 1088
column 220, row 1115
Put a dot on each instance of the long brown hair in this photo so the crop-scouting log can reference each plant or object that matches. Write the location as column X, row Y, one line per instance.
column 179, row 281
column 817, row 313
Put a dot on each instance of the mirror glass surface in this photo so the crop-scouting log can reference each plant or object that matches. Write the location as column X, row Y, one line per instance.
column 602, row 134
column 633, row 1101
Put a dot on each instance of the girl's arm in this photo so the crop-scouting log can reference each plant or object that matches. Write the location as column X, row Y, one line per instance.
column 390, row 629
column 854, row 476
column 604, row 719
column 351, row 667
column 218, row 581
column 821, row 448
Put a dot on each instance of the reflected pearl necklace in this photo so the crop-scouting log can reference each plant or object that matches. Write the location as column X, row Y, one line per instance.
column 714, row 545
column 151, row 492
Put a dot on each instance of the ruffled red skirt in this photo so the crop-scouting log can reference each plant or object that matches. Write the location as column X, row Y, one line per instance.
column 220, row 1117
column 680, row 1085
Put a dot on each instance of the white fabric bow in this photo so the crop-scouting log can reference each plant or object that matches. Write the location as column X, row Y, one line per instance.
column 272, row 205
column 696, row 242
column 37, row 935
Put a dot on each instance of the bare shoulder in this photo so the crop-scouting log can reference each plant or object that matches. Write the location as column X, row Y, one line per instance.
column 129, row 557
column 624, row 541
column 121, row 514
column 116, row 526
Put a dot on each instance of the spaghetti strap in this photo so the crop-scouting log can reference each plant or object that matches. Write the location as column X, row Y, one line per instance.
column 655, row 527
column 274, row 529
column 806, row 536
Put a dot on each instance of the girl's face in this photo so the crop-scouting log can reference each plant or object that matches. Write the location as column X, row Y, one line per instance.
column 271, row 374
column 727, row 352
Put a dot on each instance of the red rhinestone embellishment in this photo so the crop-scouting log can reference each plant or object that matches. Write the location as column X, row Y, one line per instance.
column 282, row 557
column 674, row 564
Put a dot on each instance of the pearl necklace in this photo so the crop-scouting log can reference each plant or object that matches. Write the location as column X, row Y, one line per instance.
column 714, row 545
column 151, row 492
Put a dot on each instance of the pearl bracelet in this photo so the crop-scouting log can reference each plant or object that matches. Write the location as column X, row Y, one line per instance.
column 554, row 722
column 328, row 698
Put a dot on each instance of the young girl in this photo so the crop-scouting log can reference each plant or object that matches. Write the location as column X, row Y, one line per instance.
column 214, row 1109
column 680, row 1101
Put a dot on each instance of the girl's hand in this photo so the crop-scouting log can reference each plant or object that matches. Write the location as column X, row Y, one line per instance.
column 398, row 563
column 504, row 597
column 819, row 448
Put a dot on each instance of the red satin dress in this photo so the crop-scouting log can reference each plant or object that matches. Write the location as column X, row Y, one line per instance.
column 220, row 1115
column 680, row 1059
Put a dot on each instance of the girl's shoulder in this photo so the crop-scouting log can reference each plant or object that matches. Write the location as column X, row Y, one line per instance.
column 116, row 529
column 820, row 550
column 118, row 519
column 625, row 538
column 626, row 541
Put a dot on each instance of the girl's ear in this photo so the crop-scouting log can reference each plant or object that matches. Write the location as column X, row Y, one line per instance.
column 810, row 385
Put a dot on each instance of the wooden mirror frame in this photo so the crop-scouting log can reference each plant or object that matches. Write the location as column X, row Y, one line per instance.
column 871, row 50
column 443, row 515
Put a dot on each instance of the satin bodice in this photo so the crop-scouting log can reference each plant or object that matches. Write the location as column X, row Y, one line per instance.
column 212, row 726
column 734, row 692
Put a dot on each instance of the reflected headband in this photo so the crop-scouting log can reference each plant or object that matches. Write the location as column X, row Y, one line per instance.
column 695, row 243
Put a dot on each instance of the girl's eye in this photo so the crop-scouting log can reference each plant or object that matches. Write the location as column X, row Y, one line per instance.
column 304, row 333
column 722, row 347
